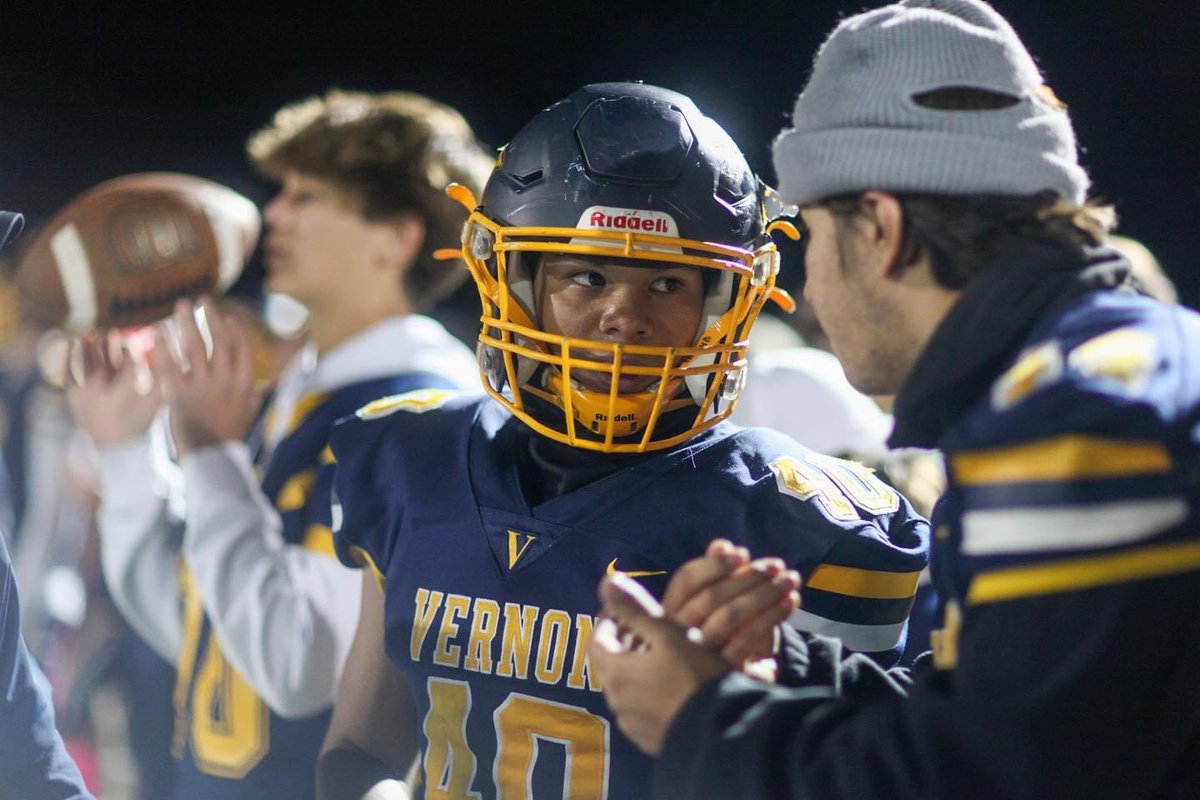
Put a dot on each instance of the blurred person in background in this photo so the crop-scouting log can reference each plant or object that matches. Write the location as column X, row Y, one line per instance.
column 239, row 589
column 33, row 760
column 50, row 514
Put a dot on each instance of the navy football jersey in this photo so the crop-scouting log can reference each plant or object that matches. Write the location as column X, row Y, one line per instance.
column 1077, row 471
column 231, row 744
column 490, row 603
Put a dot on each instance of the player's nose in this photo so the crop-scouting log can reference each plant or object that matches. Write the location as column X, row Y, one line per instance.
column 626, row 315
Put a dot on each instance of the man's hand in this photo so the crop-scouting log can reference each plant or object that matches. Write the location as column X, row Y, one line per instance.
column 734, row 603
column 113, row 392
column 645, row 686
column 719, row 613
column 211, row 394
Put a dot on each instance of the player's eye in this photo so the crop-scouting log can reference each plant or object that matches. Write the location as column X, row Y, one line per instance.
column 671, row 284
column 587, row 278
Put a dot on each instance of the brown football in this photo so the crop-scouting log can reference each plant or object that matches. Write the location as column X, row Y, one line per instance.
column 123, row 252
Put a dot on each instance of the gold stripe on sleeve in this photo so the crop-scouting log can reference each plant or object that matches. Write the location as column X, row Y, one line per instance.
column 869, row 583
column 1061, row 458
column 1088, row 572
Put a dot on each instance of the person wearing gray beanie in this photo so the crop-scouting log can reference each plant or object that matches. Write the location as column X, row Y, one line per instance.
column 953, row 259
column 866, row 119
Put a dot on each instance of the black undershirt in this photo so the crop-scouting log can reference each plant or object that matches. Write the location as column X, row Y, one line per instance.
column 548, row 468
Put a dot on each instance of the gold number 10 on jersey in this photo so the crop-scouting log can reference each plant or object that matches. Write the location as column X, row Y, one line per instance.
column 840, row 487
column 224, row 721
column 520, row 722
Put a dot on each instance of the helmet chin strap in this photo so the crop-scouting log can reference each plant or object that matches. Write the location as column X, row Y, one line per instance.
column 625, row 414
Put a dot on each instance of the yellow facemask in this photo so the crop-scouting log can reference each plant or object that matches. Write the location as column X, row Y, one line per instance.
column 519, row 361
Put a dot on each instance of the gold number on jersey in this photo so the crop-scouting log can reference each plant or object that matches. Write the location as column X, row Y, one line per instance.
column 229, row 721
column 226, row 722
column 839, row 486
column 520, row 722
column 449, row 762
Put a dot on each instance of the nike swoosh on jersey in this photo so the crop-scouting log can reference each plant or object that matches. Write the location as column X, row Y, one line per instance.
column 612, row 567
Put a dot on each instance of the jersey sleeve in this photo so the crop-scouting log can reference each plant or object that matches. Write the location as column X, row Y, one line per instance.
column 141, row 537
column 366, row 507
column 870, row 549
column 1082, row 479
column 371, row 451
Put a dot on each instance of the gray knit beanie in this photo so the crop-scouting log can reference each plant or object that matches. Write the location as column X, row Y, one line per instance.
column 857, row 125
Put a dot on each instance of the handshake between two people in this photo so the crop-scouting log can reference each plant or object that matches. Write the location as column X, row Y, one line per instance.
column 720, row 613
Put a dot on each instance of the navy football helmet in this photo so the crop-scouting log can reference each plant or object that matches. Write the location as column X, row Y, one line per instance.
column 628, row 171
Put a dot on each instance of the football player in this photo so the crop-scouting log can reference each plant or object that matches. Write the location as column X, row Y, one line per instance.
column 621, row 250
column 245, row 596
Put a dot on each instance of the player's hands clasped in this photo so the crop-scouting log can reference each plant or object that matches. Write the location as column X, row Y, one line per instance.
column 733, row 604
column 210, row 389
column 646, row 663
column 111, row 388
column 719, row 613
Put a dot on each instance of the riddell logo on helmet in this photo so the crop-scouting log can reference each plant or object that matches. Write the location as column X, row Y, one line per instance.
column 601, row 220
column 628, row 219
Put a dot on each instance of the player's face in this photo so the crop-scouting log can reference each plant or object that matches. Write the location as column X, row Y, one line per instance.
column 315, row 238
column 587, row 297
column 849, row 306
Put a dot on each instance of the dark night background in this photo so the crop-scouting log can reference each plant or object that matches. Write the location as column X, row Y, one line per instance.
column 90, row 91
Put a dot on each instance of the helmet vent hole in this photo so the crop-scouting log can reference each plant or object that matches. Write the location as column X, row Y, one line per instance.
column 733, row 187
column 529, row 177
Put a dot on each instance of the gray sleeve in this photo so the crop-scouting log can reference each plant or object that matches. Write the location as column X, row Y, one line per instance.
column 140, row 540
column 285, row 615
